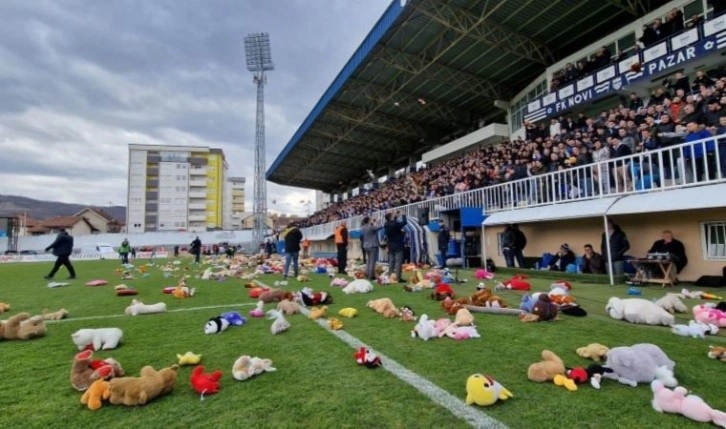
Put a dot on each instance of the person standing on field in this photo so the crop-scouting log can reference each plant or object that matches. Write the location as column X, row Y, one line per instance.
column 62, row 249
column 124, row 251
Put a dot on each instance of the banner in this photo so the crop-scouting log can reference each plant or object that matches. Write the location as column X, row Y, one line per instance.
column 4, row 259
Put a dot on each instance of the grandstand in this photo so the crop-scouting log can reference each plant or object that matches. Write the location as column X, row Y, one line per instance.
column 518, row 111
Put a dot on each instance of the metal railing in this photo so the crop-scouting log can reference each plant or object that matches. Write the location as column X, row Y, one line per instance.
column 696, row 163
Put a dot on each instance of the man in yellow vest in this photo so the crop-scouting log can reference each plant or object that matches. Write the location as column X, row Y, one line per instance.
column 341, row 243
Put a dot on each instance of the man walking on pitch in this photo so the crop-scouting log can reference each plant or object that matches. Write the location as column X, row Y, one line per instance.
column 62, row 249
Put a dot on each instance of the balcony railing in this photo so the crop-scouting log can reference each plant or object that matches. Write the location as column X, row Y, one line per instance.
column 696, row 163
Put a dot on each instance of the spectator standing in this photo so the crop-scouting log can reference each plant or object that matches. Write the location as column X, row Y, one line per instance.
column 394, row 232
column 601, row 173
column 619, row 244
column 268, row 248
column 592, row 262
column 62, row 248
column 124, row 251
column 133, row 252
column 520, row 242
column 292, row 236
column 443, row 242
column 668, row 244
column 720, row 130
column 694, row 154
column 195, row 248
column 508, row 239
column 370, row 244
column 306, row 248
column 341, row 243
column 176, row 252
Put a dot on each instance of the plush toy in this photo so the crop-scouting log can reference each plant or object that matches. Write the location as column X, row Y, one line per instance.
column 335, row 324
column 594, row 351
column 483, row 390
column 677, row 401
column 358, row 286
column 464, row 318
column 183, row 291
column 22, row 327
column 424, row 329
column 518, row 282
column 246, row 367
column 348, row 312
column 580, row 375
column 317, row 313
column 339, row 282
column 255, row 292
column 638, row 310
column 288, row 307
column 546, row 370
column 367, row 358
column 699, row 295
column 96, row 393
column 407, row 314
column 308, row 297
column 137, row 307
column 99, row 339
column 442, row 291
column 188, row 358
column 123, row 290
column 234, row 318
column 483, row 297
column 280, row 324
column 450, row 306
column 205, row 383
column 640, row 363
column 693, row 329
column 275, row 295
column 543, row 310
column 717, row 353
column 85, row 370
column 258, row 311
column 140, row 390
column 4, row 307
column 482, row 274
column 384, row 306
column 303, row 278
column 705, row 314
column 55, row 315
column 456, row 332
column 671, row 303
column 215, row 325
column 97, row 283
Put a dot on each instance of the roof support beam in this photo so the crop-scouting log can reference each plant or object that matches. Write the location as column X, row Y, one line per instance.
column 334, row 129
column 633, row 7
column 487, row 32
column 349, row 157
column 462, row 81
column 367, row 118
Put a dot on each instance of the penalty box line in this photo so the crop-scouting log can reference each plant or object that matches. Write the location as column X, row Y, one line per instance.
column 176, row 310
column 473, row 416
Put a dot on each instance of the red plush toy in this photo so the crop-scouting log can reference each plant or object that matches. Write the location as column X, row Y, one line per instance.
column 442, row 291
column 205, row 383
column 365, row 357
column 518, row 282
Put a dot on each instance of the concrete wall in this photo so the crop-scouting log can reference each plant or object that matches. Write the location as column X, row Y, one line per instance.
column 642, row 231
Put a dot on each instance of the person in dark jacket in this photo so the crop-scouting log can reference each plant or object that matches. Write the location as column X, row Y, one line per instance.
column 443, row 241
column 341, row 244
column 562, row 259
column 370, row 243
column 62, row 249
column 268, row 248
column 520, row 242
column 677, row 250
column 293, row 237
column 195, row 248
column 592, row 262
column 619, row 244
column 394, row 232
column 508, row 241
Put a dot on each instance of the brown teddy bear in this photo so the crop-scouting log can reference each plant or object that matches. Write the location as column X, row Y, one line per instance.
column 275, row 295
column 4, row 307
column 84, row 370
column 22, row 327
column 546, row 370
column 717, row 353
column 545, row 309
column 150, row 384
column 55, row 315
column 593, row 351
column 385, row 307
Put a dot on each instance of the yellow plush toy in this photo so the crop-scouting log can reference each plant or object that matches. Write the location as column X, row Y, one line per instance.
column 188, row 358
column 484, row 391
column 348, row 312
column 593, row 351
column 95, row 394
column 335, row 324
column 4, row 307
column 317, row 313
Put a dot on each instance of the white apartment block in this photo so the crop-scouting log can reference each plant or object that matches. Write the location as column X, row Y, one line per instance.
column 234, row 202
column 175, row 188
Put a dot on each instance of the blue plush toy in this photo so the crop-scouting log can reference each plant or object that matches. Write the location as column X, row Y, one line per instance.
column 634, row 291
column 234, row 318
column 527, row 303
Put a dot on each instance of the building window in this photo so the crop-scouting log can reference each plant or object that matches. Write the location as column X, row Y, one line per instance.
column 713, row 237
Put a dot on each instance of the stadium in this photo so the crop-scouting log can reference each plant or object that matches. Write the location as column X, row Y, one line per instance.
column 500, row 138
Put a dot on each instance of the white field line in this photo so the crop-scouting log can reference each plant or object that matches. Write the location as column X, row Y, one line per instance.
column 177, row 310
column 456, row 406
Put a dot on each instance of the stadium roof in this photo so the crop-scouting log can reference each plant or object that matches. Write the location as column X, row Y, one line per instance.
column 430, row 68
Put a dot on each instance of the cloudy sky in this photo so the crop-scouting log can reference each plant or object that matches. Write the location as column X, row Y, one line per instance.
column 80, row 79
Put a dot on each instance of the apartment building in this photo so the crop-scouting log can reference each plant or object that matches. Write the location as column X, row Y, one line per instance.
column 175, row 188
column 234, row 201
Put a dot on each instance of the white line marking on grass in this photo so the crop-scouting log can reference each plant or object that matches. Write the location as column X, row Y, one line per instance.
column 456, row 406
column 177, row 310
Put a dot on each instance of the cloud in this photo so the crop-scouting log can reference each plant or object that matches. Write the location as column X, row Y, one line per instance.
column 81, row 79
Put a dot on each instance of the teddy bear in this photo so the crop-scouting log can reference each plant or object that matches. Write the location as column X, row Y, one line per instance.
column 594, row 351
column 101, row 338
column 384, row 306
column 717, row 353
column 4, row 307
column 246, row 367
column 640, row 363
column 546, row 370
column 407, row 314
column 671, row 303
column 275, row 295
column 464, row 317
column 638, row 310
column 85, row 370
column 358, row 286
column 288, row 307
column 149, row 385
column 96, row 393
column 317, row 313
column 335, row 324
column 22, row 327
column 55, row 315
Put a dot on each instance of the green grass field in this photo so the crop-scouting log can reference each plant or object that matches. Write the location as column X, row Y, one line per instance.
column 317, row 383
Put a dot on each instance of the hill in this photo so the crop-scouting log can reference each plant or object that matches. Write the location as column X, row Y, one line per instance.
column 40, row 210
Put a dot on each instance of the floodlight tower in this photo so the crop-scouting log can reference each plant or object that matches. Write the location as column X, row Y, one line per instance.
column 259, row 61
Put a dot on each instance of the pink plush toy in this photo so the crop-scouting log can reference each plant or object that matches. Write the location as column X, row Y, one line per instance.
column 259, row 310
column 434, row 276
column 677, row 401
column 441, row 325
column 482, row 274
column 705, row 314
column 338, row 282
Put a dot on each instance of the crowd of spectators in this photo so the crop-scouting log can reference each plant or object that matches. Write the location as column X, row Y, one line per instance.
column 680, row 110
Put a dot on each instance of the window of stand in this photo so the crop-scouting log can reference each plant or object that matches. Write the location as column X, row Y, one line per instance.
column 713, row 239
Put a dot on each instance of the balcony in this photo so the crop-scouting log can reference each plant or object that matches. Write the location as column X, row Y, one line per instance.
column 198, row 194
column 198, row 171
column 195, row 217
column 198, row 183
column 197, row 206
